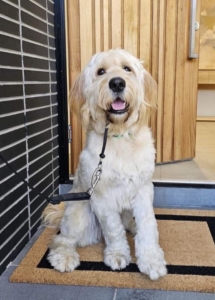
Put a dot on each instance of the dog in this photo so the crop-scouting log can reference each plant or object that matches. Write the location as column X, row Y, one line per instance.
column 114, row 90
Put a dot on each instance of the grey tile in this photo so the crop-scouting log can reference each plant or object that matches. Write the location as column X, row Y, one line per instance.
column 10, row 90
column 184, row 197
column 26, row 291
column 10, row 106
column 96, row 293
column 35, row 49
column 9, row 27
column 9, row 59
column 34, row 62
column 31, row 89
column 9, row 11
column 137, row 294
column 10, row 75
column 25, row 250
column 33, row 22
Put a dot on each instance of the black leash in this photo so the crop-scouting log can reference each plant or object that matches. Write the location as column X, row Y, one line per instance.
column 70, row 196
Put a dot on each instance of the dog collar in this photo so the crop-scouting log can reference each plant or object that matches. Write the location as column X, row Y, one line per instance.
column 119, row 136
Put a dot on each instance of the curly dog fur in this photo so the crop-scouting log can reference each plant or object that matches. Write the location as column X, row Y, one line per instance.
column 114, row 88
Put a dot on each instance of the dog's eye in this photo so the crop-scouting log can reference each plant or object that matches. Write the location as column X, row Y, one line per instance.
column 127, row 69
column 100, row 72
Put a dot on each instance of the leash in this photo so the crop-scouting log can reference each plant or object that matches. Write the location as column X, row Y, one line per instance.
column 70, row 196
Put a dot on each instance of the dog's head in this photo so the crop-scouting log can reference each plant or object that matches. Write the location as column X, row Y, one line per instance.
column 115, row 88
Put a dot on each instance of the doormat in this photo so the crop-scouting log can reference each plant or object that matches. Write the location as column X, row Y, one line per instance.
column 187, row 237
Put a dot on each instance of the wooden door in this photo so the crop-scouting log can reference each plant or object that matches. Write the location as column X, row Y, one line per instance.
column 158, row 33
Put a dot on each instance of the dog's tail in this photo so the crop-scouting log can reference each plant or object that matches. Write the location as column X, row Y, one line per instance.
column 52, row 215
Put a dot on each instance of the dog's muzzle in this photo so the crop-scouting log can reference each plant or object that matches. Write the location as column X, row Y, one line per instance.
column 117, row 85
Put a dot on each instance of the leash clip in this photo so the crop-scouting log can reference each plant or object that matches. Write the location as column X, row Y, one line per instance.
column 95, row 178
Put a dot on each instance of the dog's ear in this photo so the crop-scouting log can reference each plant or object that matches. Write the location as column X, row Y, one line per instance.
column 76, row 96
column 150, row 90
column 77, row 100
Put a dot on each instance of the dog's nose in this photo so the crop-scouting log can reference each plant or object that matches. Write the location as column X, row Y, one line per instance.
column 117, row 84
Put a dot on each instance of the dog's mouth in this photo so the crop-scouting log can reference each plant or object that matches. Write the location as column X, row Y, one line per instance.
column 119, row 106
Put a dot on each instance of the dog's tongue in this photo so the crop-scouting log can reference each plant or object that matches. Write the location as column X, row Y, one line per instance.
column 118, row 104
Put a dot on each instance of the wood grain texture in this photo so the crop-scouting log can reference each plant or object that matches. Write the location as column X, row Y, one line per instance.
column 106, row 24
column 145, row 30
column 97, row 24
column 161, row 70
column 185, row 89
column 131, row 26
column 206, row 77
column 74, row 70
column 181, row 57
column 154, row 61
column 169, row 84
column 86, row 38
column 116, row 24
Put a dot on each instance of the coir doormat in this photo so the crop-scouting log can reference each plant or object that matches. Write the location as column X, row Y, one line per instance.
column 187, row 237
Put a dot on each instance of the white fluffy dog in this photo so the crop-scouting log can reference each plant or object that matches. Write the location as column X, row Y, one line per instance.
column 114, row 88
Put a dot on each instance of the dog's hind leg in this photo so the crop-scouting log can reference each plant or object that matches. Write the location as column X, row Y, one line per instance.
column 79, row 227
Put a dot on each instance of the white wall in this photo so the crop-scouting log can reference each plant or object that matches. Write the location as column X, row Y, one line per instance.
column 206, row 103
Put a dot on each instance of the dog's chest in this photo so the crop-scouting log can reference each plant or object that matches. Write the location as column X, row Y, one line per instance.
column 126, row 167
column 128, row 173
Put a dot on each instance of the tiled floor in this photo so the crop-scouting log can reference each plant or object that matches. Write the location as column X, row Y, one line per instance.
column 199, row 170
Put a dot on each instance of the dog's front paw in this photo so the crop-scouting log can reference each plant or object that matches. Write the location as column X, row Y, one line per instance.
column 152, row 263
column 117, row 260
column 63, row 259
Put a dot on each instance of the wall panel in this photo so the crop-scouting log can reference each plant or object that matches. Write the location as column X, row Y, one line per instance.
column 28, row 119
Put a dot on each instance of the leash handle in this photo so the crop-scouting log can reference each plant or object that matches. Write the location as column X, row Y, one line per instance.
column 69, row 197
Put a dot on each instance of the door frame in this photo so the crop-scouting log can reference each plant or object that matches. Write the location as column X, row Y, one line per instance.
column 62, row 98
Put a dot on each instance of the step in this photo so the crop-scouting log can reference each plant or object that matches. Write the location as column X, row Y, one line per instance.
column 176, row 195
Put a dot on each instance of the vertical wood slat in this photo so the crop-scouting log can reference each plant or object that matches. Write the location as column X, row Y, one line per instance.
column 98, row 40
column 154, row 62
column 179, row 89
column 182, row 97
column 131, row 26
column 169, row 86
column 158, row 71
column 86, row 38
column 191, row 85
column 106, row 24
column 145, row 37
column 161, row 70
column 86, row 30
column 74, row 70
column 194, row 70
column 116, row 24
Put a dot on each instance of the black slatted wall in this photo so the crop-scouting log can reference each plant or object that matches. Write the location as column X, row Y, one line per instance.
column 28, row 119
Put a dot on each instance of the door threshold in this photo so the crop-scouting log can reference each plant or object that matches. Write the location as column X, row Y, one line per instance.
column 183, row 182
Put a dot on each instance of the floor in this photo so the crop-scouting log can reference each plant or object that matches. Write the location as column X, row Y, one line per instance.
column 25, row 291
column 199, row 170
